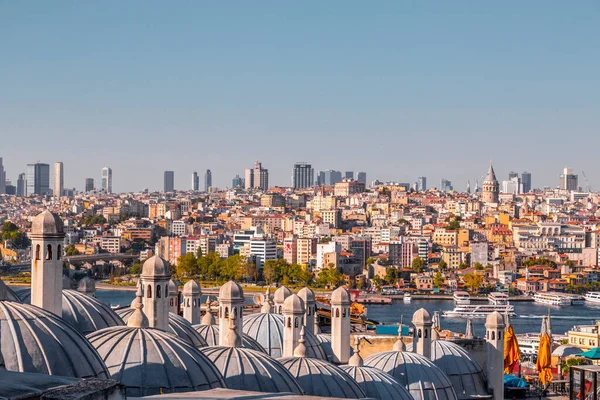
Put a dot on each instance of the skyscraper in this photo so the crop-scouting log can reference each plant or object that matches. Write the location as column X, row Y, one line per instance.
column 349, row 174
column 257, row 177
column 362, row 177
column 526, row 181
column 59, row 184
column 237, row 182
column 568, row 180
column 446, row 186
column 169, row 181
column 21, row 181
column 38, row 179
column 421, row 183
column 303, row 176
column 2, row 178
column 195, row 181
column 329, row 178
column 207, row 180
column 89, row 184
column 512, row 174
column 106, row 180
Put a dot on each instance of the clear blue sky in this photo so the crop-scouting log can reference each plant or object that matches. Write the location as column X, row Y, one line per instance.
column 398, row 89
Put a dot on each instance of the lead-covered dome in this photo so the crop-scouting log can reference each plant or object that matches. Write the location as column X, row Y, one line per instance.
column 151, row 361
column 246, row 369
column 377, row 384
column 325, row 342
column 7, row 293
column 156, row 266
column 418, row 375
column 320, row 378
column 47, row 224
column 231, row 291
column 210, row 334
column 464, row 372
column 35, row 340
column 267, row 329
column 86, row 313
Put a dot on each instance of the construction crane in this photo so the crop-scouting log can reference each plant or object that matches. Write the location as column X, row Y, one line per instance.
column 588, row 187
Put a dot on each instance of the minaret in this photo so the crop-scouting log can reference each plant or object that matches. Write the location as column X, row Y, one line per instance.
column 173, row 297
column 191, row 301
column 138, row 319
column 340, row 325
column 155, row 281
column 293, row 316
column 231, row 304
column 47, row 238
column 491, row 188
column 422, row 333
column 87, row 286
column 279, row 297
column 494, row 326
column 399, row 345
column 308, row 296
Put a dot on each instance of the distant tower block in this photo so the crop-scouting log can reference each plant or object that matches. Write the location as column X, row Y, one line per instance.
column 293, row 316
column 340, row 325
column 191, row 302
column 422, row 336
column 47, row 238
column 231, row 304
column 494, row 327
column 155, row 282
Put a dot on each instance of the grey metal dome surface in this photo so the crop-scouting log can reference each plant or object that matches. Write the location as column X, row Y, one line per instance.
column 464, row 372
column 320, row 378
column 267, row 330
column 156, row 266
column 377, row 384
column 35, row 340
column 47, row 223
column 87, row 314
column 246, row 369
column 418, row 375
column 325, row 341
column 210, row 333
column 565, row 350
column 7, row 293
column 151, row 361
column 178, row 325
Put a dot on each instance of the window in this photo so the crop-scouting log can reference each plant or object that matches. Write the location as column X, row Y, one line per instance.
column 337, row 312
column 59, row 252
column 166, row 290
column 158, row 291
column 289, row 323
column 37, row 252
column 420, row 333
column 226, row 312
column 425, row 332
column 49, row 252
column 295, row 322
column 194, row 303
column 493, row 335
column 171, row 302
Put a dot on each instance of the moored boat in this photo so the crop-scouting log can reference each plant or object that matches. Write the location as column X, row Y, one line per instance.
column 461, row 298
column 592, row 297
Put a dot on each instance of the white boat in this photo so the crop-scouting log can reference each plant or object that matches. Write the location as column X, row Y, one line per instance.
column 407, row 297
column 592, row 297
column 529, row 343
column 461, row 298
column 498, row 298
column 479, row 311
column 557, row 299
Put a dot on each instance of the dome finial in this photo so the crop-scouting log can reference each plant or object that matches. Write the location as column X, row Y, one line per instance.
column 208, row 318
column 300, row 350
column 399, row 345
column 356, row 360
column 469, row 330
column 266, row 306
column 138, row 319
column 233, row 337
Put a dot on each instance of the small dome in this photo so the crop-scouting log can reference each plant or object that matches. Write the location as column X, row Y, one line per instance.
column 156, row 266
column 340, row 296
column 494, row 320
column 565, row 350
column 231, row 291
column 35, row 340
column 210, row 334
column 307, row 295
column 293, row 305
column 150, row 361
column 267, row 329
column 418, row 375
column 191, row 288
column 377, row 384
column 86, row 285
column 7, row 293
column 172, row 289
column 86, row 313
column 421, row 317
column 464, row 372
column 281, row 294
column 246, row 369
column 320, row 378
column 325, row 341
column 47, row 224
column 177, row 324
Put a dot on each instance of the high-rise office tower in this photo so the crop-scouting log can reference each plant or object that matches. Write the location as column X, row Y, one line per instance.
column 2, row 178
column 195, row 181
column 512, row 174
column 446, row 186
column 169, row 181
column 236, row 182
column 362, row 177
column 89, row 184
column 526, row 181
column 38, row 179
column 303, row 176
column 21, row 181
column 257, row 177
column 349, row 174
column 421, row 183
column 207, row 180
column 106, row 180
column 59, row 183
column 329, row 178
column 568, row 180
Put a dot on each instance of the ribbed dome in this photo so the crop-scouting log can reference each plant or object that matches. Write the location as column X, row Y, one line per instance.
column 325, row 342
column 464, row 372
column 7, row 293
column 419, row 375
column 156, row 266
column 340, row 296
column 210, row 333
column 178, row 325
column 320, row 378
column 231, row 291
column 35, row 340
column 47, row 224
column 246, row 369
column 281, row 294
column 191, row 288
column 150, row 361
column 376, row 383
column 86, row 313
column 267, row 329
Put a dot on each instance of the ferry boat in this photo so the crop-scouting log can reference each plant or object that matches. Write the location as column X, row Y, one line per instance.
column 461, row 298
column 592, row 297
column 407, row 297
column 479, row 311
column 557, row 299
column 498, row 298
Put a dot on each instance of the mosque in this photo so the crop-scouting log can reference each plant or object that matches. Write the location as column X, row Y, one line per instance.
column 68, row 344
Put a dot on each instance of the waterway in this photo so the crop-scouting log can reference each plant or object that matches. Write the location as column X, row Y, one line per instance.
column 528, row 319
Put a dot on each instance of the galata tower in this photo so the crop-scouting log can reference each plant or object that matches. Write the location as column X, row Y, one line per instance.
column 490, row 187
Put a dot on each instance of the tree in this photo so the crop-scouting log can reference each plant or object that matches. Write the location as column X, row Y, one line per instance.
column 12, row 233
column 438, row 280
column 391, row 275
column 330, row 276
column 71, row 250
column 136, row 268
column 443, row 265
column 97, row 219
column 272, row 270
column 566, row 367
column 371, row 260
column 478, row 266
column 569, row 263
column 199, row 253
column 418, row 264
column 472, row 281
column 453, row 225
column 539, row 261
column 187, row 265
